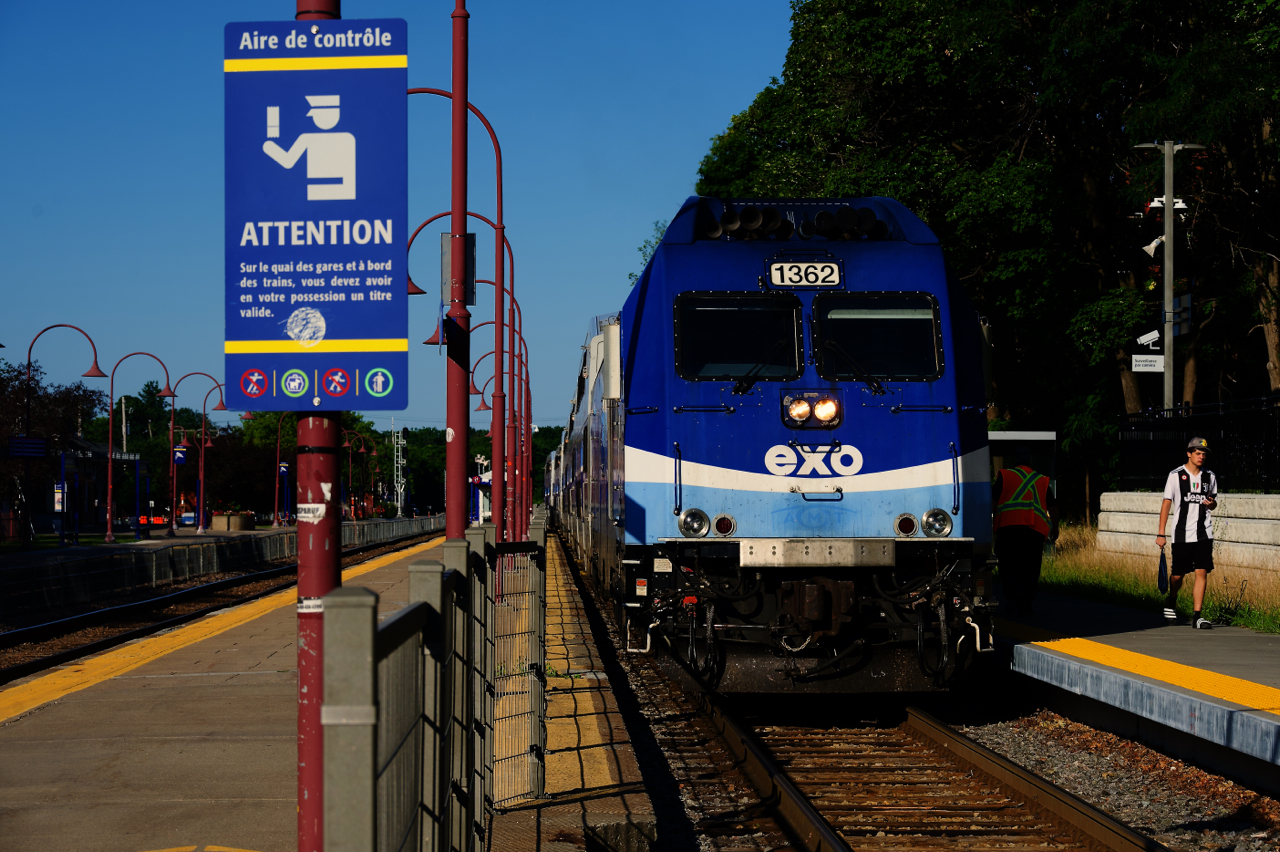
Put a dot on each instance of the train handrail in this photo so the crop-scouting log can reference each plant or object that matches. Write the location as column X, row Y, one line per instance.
column 676, row 483
column 955, row 479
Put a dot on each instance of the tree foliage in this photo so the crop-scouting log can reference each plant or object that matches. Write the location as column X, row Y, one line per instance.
column 1010, row 128
column 38, row 409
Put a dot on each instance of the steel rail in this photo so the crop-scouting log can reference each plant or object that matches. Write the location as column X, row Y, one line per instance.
column 53, row 629
column 1073, row 810
column 810, row 830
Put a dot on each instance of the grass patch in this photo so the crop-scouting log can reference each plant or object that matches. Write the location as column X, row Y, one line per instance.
column 1080, row 569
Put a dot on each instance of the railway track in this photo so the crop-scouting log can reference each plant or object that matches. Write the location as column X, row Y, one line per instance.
column 919, row 786
column 43, row 646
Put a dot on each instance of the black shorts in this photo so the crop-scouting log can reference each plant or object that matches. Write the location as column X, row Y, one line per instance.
column 1191, row 556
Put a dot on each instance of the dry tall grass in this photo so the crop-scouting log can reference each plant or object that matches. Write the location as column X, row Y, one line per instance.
column 1235, row 595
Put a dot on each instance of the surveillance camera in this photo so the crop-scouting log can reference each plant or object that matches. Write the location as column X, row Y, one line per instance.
column 1148, row 338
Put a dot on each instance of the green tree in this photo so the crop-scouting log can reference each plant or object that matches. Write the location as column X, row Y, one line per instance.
column 1009, row 127
column 647, row 248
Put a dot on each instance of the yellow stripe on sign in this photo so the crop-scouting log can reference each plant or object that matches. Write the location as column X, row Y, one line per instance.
column 315, row 63
column 1255, row 696
column 57, row 684
column 293, row 347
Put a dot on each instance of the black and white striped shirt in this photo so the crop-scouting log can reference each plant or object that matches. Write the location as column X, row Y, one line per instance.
column 1191, row 520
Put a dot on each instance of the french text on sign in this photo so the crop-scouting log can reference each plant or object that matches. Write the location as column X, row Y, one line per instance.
column 316, row 141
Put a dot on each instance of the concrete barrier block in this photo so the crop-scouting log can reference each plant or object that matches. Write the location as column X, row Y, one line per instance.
column 1132, row 501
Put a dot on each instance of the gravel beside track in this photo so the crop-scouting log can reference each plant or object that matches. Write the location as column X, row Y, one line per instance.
column 1179, row 805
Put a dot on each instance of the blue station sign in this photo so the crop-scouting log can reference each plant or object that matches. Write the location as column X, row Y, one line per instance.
column 316, row 215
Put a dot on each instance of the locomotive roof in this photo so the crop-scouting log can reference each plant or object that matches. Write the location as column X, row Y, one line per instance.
column 689, row 224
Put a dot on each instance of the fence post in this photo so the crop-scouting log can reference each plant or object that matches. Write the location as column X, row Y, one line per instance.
column 538, row 530
column 349, row 718
column 427, row 585
column 462, row 712
column 482, row 707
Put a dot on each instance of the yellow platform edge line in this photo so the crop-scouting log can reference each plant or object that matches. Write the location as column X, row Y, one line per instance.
column 316, row 63
column 292, row 347
column 25, row 697
column 1256, row 696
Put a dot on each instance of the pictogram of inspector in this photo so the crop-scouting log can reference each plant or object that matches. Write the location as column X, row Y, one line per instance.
column 329, row 155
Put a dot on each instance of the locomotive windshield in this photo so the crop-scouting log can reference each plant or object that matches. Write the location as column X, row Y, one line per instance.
column 890, row 336
column 751, row 336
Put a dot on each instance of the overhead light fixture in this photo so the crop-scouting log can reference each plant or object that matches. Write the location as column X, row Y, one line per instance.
column 1150, row 249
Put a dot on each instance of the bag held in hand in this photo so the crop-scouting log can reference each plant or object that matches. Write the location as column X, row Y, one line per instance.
column 1162, row 577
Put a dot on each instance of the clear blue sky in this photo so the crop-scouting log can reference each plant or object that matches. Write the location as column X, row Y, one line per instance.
column 111, row 203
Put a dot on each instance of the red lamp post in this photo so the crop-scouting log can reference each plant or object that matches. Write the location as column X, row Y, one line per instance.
column 275, row 512
column 501, row 431
column 94, row 372
column 456, row 468
column 205, row 442
column 166, row 393
column 173, row 468
column 346, row 445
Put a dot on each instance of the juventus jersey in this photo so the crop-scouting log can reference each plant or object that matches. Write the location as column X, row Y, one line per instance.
column 1191, row 520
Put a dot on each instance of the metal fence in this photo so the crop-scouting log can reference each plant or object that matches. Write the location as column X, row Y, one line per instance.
column 436, row 716
column 45, row 580
column 1243, row 436
column 518, row 632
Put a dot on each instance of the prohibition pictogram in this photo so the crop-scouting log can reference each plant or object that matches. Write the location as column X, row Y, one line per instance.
column 254, row 383
column 336, row 382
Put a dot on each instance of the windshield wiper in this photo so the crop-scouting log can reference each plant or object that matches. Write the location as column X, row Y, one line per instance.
column 748, row 381
column 859, row 372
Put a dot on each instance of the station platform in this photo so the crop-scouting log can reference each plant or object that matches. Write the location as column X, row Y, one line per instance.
column 185, row 740
column 1209, row 696
column 595, row 794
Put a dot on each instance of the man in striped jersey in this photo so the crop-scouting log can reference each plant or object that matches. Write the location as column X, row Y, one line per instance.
column 1190, row 494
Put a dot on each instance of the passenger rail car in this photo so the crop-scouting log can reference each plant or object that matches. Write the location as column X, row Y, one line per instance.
column 777, row 453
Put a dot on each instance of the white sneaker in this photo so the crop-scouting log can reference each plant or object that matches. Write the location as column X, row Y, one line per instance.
column 1203, row 624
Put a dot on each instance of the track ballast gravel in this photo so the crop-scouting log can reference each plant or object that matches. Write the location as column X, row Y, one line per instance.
column 1179, row 805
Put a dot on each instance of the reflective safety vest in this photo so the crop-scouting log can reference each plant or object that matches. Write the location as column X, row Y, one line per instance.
column 1024, row 495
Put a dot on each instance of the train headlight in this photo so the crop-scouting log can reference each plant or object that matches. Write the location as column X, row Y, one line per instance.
column 694, row 523
column 936, row 523
column 826, row 410
column 724, row 525
column 799, row 410
column 905, row 525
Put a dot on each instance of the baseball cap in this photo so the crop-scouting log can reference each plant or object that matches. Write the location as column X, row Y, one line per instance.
column 1198, row 444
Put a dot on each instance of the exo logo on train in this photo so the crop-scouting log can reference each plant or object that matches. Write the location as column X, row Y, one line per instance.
column 784, row 460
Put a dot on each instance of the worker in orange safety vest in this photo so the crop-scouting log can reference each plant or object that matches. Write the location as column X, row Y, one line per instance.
column 1024, row 515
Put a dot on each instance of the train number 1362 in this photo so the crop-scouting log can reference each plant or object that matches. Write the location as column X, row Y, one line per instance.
column 804, row 274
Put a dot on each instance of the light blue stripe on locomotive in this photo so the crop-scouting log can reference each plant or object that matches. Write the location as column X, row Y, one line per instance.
column 765, row 505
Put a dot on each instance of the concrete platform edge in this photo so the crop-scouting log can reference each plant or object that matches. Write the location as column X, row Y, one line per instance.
column 1251, row 734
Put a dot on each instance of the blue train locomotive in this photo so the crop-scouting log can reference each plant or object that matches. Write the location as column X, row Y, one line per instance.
column 777, row 455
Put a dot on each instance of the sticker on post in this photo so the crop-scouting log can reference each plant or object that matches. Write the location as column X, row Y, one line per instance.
column 642, row 588
column 310, row 513
column 310, row 605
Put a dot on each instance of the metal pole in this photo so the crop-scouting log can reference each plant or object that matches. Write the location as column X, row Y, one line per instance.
column 173, row 474
column 497, row 484
column 137, row 498
column 458, row 344
column 319, row 572
column 275, row 514
column 1169, row 148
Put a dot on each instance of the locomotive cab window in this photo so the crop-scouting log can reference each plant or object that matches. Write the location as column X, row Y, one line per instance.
column 755, row 336
column 887, row 336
